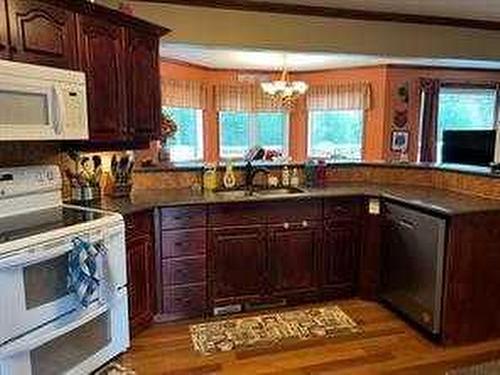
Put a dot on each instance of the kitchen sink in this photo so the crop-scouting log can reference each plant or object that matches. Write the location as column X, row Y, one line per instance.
column 284, row 191
column 235, row 194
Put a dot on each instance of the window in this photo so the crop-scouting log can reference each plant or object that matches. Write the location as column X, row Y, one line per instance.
column 336, row 134
column 464, row 109
column 187, row 144
column 239, row 131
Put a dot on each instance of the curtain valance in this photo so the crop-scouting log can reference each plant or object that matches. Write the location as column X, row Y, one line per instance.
column 184, row 93
column 342, row 96
column 243, row 97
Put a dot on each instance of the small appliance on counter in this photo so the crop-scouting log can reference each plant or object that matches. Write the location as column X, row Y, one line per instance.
column 64, row 304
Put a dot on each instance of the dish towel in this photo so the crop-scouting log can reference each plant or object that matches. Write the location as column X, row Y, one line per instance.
column 83, row 269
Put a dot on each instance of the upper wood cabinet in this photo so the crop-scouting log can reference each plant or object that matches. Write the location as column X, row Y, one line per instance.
column 41, row 33
column 102, row 58
column 144, row 101
column 4, row 32
column 118, row 53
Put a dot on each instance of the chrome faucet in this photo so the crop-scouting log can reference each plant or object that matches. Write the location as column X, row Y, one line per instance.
column 250, row 173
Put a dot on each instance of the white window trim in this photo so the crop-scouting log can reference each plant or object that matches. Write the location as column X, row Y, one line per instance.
column 252, row 133
column 200, row 127
column 309, row 134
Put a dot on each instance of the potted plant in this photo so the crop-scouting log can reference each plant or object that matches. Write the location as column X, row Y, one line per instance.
column 168, row 130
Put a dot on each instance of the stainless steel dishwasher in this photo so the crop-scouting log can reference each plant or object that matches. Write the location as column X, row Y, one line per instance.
column 412, row 264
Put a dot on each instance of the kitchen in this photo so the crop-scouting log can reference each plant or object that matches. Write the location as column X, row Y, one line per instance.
column 138, row 217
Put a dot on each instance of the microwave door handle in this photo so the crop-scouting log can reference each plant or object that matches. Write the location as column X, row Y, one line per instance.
column 58, row 110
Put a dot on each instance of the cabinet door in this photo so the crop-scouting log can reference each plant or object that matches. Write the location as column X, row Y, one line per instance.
column 340, row 256
column 42, row 34
column 139, row 271
column 293, row 257
column 144, row 86
column 4, row 32
column 102, row 58
column 237, row 260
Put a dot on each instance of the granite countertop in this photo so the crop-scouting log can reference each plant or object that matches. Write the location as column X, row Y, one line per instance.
column 440, row 201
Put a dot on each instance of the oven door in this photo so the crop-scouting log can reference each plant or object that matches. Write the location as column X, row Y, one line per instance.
column 75, row 344
column 35, row 282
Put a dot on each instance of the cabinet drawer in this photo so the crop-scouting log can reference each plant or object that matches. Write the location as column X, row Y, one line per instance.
column 339, row 209
column 183, row 217
column 182, row 243
column 293, row 211
column 237, row 214
column 180, row 271
column 184, row 299
column 138, row 223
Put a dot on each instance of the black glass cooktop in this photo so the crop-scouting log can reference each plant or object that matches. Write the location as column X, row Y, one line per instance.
column 30, row 224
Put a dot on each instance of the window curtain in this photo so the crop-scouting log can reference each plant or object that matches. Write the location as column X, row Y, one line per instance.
column 243, row 97
column 184, row 93
column 337, row 97
column 429, row 89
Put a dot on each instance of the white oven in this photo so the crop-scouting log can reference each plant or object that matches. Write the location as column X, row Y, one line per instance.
column 42, row 103
column 75, row 344
column 35, row 284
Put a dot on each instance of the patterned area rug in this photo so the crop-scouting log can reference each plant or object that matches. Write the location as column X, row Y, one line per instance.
column 115, row 368
column 271, row 329
column 488, row 368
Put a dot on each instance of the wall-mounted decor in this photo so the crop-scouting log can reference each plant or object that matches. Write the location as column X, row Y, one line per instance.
column 400, row 119
column 404, row 92
column 399, row 141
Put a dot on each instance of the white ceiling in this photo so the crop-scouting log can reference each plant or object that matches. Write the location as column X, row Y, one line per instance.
column 474, row 9
column 224, row 58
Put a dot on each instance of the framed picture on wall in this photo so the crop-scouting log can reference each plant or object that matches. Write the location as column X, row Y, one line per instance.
column 399, row 141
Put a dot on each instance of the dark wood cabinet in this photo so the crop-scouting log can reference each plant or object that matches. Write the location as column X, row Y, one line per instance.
column 140, row 269
column 340, row 257
column 237, row 263
column 102, row 49
column 144, row 101
column 181, row 262
column 293, row 257
column 4, row 32
column 42, row 33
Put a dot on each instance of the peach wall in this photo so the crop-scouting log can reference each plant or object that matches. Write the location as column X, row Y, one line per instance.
column 374, row 142
column 384, row 81
column 399, row 75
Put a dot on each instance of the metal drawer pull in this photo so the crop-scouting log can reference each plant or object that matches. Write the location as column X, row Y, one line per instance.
column 286, row 225
column 305, row 224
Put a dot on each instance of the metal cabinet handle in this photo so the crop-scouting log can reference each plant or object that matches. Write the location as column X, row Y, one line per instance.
column 305, row 224
column 286, row 225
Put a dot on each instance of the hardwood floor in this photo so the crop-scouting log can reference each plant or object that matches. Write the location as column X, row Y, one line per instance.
column 386, row 346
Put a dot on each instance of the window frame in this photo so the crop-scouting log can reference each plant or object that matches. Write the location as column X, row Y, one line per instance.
column 463, row 86
column 252, row 132
column 309, row 133
column 200, row 126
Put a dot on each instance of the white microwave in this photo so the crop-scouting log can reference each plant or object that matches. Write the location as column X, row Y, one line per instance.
column 42, row 103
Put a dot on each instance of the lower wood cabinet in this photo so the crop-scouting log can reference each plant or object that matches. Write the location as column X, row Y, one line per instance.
column 181, row 262
column 140, row 269
column 340, row 257
column 237, row 263
column 293, row 250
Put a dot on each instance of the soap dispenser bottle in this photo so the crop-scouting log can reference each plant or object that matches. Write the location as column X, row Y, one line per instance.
column 210, row 178
column 229, row 177
column 295, row 180
column 285, row 176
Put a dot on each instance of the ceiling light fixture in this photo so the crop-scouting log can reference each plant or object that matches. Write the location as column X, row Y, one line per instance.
column 284, row 91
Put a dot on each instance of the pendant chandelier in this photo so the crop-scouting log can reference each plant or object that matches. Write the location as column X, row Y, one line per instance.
column 284, row 91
